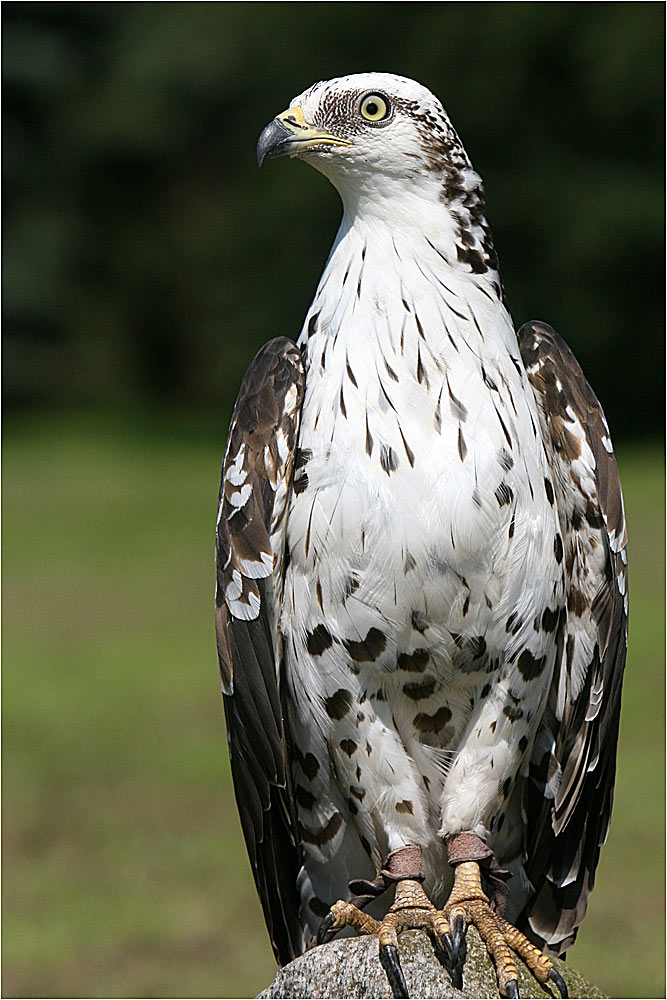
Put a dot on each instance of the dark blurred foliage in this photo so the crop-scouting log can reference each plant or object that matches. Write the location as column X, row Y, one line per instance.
column 146, row 258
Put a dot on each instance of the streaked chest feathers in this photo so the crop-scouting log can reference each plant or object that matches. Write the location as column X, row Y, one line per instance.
column 418, row 508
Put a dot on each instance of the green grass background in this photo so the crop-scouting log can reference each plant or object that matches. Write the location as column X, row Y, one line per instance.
column 124, row 869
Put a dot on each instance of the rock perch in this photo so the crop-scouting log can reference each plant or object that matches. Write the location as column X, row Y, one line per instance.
column 350, row 968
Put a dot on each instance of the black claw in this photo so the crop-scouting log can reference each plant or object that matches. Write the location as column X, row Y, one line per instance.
column 512, row 989
column 326, row 932
column 456, row 974
column 458, row 937
column 456, row 948
column 391, row 964
column 454, row 962
column 457, row 978
column 560, row 983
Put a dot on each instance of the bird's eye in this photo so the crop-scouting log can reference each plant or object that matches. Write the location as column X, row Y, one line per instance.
column 374, row 108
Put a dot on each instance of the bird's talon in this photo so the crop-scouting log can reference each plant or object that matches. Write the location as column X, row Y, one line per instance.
column 460, row 963
column 326, row 930
column 391, row 964
column 556, row 978
column 446, row 942
column 457, row 937
column 512, row 989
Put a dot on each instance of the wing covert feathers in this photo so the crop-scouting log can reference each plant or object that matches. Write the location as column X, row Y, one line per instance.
column 568, row 797
column 254, row 494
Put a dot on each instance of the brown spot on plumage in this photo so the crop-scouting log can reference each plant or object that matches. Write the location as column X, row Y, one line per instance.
column 390, row 371
column 577, row 603
column 326, row 833
column 420, row 328
column 558, row 548
column 367, row 650
column 305, row 798
column 338, row 704
column 307, row 762
column 458, row 409
column 348, row 746
column 414, row 662
column 318, row 640
column 549, row 619
column 549, row 490
column 513, row 624
column 504, row 428
column 530, row 666
column 419, row 691
column 405, row 806
column 369, row 439
column 422, row 377
column 463, row 449
column 488, row 381
column 505, row 459
column 419, row 621
column 388, row 459
column 425, row 723
column 408, row 450
column 504, row 494
column 300, row 482
column 477, row 646
column 437, row 416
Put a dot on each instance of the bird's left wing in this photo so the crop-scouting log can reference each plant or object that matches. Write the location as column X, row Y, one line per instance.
column 569, row 795
column 250, row 544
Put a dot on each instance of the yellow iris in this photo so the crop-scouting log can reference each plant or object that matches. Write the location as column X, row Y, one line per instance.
column 374, row 108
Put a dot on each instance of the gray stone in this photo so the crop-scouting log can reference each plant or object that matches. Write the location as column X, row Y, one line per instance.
column 350, row 968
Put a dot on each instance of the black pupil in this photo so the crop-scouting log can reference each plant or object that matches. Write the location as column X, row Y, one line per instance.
column 372, row 108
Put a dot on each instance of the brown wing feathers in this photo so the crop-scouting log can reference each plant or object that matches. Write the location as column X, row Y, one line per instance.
column 254, row 492
column 569, row 796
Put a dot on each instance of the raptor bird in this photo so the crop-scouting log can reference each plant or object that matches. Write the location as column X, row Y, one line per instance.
column 421, row 572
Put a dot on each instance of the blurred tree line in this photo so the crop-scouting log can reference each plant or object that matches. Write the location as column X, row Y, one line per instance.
column 146, row 259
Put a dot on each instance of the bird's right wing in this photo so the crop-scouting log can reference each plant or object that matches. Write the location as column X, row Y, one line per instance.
column 250, row 542
column 569, row 796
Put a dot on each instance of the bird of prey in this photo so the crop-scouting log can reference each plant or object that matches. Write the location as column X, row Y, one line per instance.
column 421, row 572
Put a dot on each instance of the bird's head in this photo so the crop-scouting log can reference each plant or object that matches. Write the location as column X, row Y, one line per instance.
column 375, row 136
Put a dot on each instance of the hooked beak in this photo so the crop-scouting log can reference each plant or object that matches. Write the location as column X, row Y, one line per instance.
column 290, row 134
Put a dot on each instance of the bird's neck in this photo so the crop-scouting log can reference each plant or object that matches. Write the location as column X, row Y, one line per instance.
column 443, row 202
column 401, row 272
